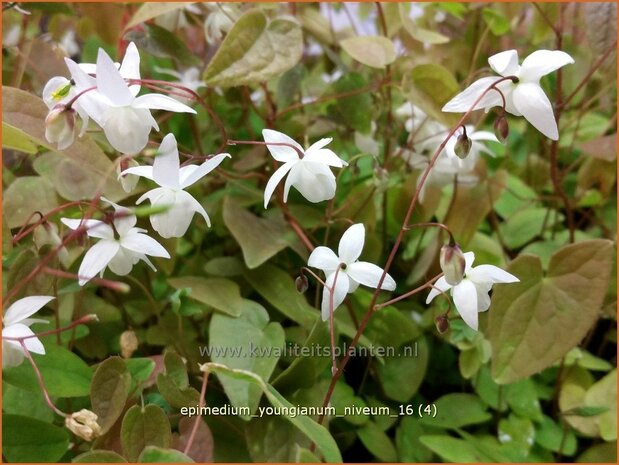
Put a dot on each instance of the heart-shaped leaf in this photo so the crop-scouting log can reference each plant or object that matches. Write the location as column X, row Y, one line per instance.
column 535, row 322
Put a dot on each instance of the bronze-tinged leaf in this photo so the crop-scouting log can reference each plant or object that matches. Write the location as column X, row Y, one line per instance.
column 535, row 322
column 144, row 426
column 109, row 390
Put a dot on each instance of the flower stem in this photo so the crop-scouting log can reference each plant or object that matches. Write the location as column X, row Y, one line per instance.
column 198, row 419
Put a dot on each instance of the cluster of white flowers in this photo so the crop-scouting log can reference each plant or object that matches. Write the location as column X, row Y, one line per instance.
column 107, row 93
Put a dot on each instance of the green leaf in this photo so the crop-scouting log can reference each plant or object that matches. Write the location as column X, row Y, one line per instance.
column 401, row 375
column 495, row 20
column 31, row 404
column 538, row 320
column 417, row 32
column 162, row 43
column 141, row 427
column 373, row 51
column 25, row 196
column 315, row 432
column 26, row 439
column 377, row 442
column 255, row 50
column 249, row 343
column 457, row 410
column 174, row 383
column 99, row 456
column 516, row 433
column 523, row 226
column 64, row 373
column 221, row 294
column 304, row 371
column 600, row 453
column 552, row 436
column 523, row 399
column 153, row 454
column 109, row 391
column 148, row 11
column 271, row 439
column 84, row 162
column 353, row 110
column 431, row 86
column 16, row 139
column 410, row 449
column 452, row 449
column 278, row 288
column 140, row 368
column 259, row 238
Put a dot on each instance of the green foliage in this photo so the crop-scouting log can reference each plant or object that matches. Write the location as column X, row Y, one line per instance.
column 535, row 383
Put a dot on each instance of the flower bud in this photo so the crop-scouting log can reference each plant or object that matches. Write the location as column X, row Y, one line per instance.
column 127, row 181
column 442, row 323
column 302, row 283
column 452, row 263
column 60, row 126
column 128, row 343
column 501, row 129
column 463, row 146
column 83, row 424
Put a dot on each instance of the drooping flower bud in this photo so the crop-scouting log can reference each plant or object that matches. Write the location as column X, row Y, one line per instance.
column 128, row 343
column 60, row 126
column 127, row 181
column 302, row 283
column 501, row 129
column 83, row 424
column 442, row 323
column 463, row 145
column 452, row 263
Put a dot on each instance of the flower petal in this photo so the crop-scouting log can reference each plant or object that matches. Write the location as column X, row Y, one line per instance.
column 94, row 228
column 465, row 300
column 505, row 63
column 469, row 258
column 274, row 180
column 122, row 263
column 369, row 274
column 465, row 99
column 281, row 153
column 144, row 171
column 491, row 274
column 324, row 156
column 187, row 178
column 543, row 62
column 33, row 344
column 143, row 244
column 96, row 259
column 130, row 67
column 323, row 258
column 190, row 202
column 314, row 181
column 166, row 166
column 340, row 289
column 109, row 81
column 351, row 243
column 161, row 102
column 23, row 308
column 441, row 285
column 532, row 102
column 319, row 145
column 12, row 353
column 127, row 128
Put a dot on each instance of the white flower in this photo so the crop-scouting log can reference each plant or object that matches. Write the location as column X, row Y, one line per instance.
column 127, row 181
column 351, row 271
column 189, row 78
column 114, row 105
column 309, row 174
column 60, row 126
column 523, row 98
column 16, row 323
column 471, row 294
column 173, row 179
column 119, row 253
column 448, row 165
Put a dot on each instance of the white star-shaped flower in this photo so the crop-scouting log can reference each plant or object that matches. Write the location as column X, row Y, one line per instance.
column 115, row 106
column 309, row 174
column 351, row 271
column 118, row 253
column 523, row 98
column 172, row 179
column 16, row 324
column 470, row 295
